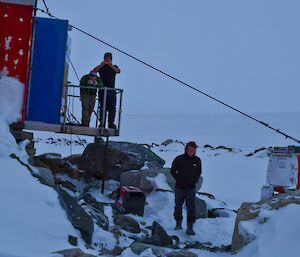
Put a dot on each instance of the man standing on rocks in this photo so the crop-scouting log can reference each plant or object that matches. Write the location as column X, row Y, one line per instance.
column 186, row 170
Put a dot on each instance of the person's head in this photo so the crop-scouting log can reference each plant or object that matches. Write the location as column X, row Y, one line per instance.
column 93, row 75
column 107, row 57
column 190, row 148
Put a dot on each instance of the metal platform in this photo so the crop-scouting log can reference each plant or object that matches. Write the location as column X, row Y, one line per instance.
column 71, row 129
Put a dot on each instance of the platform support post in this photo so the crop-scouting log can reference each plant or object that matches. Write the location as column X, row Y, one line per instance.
column 104, row 165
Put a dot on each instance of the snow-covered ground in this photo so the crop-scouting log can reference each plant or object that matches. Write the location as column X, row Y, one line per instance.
column 33, row 223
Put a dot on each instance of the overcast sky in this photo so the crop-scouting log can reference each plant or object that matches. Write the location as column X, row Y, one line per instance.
column 247, row 53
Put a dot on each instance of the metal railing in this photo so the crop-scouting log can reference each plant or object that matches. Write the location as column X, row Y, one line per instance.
column 101, row 124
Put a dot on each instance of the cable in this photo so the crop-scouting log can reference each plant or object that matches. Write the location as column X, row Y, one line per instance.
column 179, row 81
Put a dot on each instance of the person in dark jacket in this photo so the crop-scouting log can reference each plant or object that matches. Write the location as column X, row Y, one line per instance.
column 107, row 72
column 186, row 170
column 88, row 95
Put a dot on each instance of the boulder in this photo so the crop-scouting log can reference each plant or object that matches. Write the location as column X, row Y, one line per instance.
column 76, row 252
column 122, row 156
column 127, row 223
column 143, row 178
column 201, row 210
column 250, row 212
column 159, row 236
column 77, row 216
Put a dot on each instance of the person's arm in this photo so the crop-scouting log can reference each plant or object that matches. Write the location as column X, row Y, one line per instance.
column 199, row 170
column 174, row 168
column 97, row 68
column 114, row 67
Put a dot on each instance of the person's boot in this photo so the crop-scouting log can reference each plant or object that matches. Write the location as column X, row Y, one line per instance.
column 178, row 225
column 190, row 231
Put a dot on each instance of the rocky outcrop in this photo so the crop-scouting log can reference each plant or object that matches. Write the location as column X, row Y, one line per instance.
column 56, row 164
column 77, row 216
column 249, row 212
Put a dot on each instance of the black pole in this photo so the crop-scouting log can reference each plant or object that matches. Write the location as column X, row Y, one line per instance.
column 104, row 165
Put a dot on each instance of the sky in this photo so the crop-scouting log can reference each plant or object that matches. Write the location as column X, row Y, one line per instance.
column 246, row 53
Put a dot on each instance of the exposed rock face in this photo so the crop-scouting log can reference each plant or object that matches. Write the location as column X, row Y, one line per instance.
column 77, row 216
column 127, row 223
column 251, row 211
column 96, row 211
column 56, row 164
column 121, row 157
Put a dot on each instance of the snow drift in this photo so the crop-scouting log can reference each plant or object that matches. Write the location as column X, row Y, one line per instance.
column 11, row 99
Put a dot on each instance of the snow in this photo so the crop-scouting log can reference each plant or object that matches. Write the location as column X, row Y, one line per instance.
column 34, row 224
column 11, row 99
column 278, row 237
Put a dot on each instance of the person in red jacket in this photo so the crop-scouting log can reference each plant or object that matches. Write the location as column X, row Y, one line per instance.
column 186, row 170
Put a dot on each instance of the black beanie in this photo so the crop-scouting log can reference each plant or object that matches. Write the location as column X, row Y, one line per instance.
column 108, row 55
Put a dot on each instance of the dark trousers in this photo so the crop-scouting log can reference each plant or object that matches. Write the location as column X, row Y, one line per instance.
column 111, row 100
column 188, row 196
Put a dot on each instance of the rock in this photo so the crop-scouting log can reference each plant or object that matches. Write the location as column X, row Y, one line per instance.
column 167, row 142
column 250, row 211
column 77, row 160
column 77, row 216
column 229, row 149
column 138, row 248
column 76, row 252
column 142, row 178
column 95, row 210
column 73, row 240
column 181, row 254
column 201, row 210
column 54, row 163
column 208, row 146
column 114, row 252
column 68, row 185
column 117, row 161
column 127, row 223
column 207, row 247
column 158, row 237
column 139, row 152
column 45, row 176
column 122, row 157
column 221, row 212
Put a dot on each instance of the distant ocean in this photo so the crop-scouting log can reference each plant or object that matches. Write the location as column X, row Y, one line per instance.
column 216, row 129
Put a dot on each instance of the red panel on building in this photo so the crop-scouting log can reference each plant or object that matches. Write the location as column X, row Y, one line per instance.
column 15, row 41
